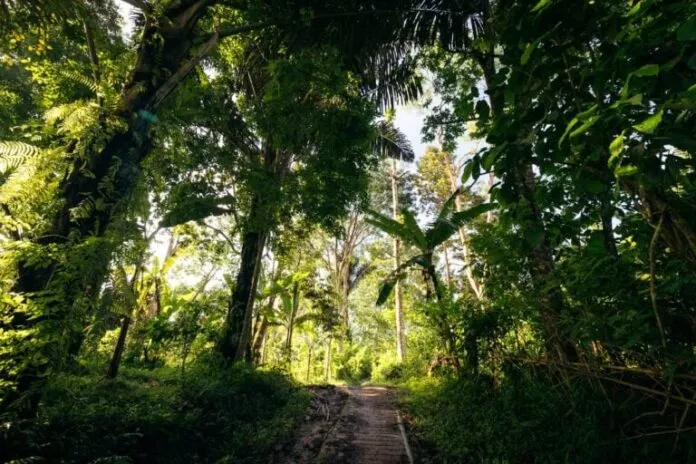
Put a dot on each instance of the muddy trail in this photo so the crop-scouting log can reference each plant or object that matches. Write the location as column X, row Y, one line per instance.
column 350, row 425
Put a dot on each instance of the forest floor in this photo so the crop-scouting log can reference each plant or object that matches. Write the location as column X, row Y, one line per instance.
column 356, row 425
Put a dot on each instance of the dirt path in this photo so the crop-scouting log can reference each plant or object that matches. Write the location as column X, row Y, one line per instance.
column 367, row 431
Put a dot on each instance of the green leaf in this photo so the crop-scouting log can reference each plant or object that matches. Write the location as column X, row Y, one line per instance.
column 687, row 31
column 623, row 171
column 418, row 238
column 468, row 169
column 647, row 71
column 692, row 62
column 616, row 149
column 528, row 50
column 483, row 110
column 635, row 100
column 649, row 125
column 541, row 5
column 575, row 121
column 585, row 115
column 585, row 127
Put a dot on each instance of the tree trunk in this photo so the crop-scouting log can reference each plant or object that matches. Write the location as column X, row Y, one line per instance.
column 118, row 350
column 291, row 321
column 259, row 341
column 468, row 272
column 448, row 273
column 237, row 330
column 327, row 361
column 540, row 256
column 400, row 345
column 309, row 361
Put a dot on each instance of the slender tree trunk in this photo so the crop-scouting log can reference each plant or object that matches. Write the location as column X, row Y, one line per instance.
column 327, row 361
column 448, row 273
column 291, row 321
column 259, row 340
column 468, row 272
column 309, row 361
column 400, row 345
column 115, row 363
column 541, row 261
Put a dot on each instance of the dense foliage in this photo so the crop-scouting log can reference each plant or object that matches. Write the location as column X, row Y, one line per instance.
column 205, row 203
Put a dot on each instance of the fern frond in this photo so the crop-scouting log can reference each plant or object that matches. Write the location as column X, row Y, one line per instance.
column 82, row 79
column 13, row 155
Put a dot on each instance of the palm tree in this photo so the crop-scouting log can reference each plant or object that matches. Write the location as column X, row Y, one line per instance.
column 425, row 241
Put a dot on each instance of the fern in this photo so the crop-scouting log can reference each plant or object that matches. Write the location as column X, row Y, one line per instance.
column 28, row 460
column 82, row 79
column 14, row 154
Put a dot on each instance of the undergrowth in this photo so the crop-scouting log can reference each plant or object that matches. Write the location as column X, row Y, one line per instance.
column 530, row 416
column 210, row 414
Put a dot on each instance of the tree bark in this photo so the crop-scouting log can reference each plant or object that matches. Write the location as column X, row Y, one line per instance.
column 327, row 361
column 291, row 321
column 237, row 332
column 115, row 363
column 398, row 309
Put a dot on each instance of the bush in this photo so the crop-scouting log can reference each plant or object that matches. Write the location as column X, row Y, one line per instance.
column 533, row 416
column 211, row 414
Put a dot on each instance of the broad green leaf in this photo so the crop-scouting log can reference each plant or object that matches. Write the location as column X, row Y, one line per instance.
column 687, row 31
column 649, row 125
column 418, row 238
column 623, row 171
column 647, row 71
column 468, row 169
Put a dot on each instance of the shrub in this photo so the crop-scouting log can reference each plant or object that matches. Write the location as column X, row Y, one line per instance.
column 211, row 414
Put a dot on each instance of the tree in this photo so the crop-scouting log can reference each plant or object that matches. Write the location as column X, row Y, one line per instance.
column 392, row 144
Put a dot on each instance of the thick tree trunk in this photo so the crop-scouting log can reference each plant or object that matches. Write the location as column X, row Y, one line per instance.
column 237, row 332
column 398, row 310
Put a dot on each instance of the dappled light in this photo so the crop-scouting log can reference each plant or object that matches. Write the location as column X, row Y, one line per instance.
column 342, row 231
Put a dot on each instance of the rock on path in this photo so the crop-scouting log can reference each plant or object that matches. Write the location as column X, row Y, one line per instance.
column 367, row 432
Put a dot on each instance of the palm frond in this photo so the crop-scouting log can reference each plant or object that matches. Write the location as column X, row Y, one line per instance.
column 444, row 227
column 388, row 284
column 389, row 226
column 453, row 24
column 392, row 143
column 415, row 230
column 448, row 205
